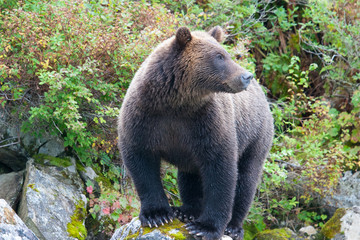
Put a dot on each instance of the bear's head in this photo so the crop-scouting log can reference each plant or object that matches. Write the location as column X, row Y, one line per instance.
column 208, row 65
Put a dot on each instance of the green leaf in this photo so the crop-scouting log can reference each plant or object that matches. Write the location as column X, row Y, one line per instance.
column 327, row 68
column 115, row 215
column 313, row 66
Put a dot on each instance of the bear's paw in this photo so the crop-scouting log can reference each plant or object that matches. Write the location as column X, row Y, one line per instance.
column 236, row 233
column 186, row 214
column 156, row 217
column 205, row 232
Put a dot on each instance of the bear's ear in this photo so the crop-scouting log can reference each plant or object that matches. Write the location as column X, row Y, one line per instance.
column 217, row 33
column 183, row 36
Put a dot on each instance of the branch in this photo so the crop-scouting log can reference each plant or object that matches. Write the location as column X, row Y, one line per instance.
column 289, row 164
column 10, row 144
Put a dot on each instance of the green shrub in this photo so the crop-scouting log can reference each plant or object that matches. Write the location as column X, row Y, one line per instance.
column 72, row 93
column 72, row 62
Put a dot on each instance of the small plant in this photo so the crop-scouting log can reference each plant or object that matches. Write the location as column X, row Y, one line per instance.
column 313, row 218
column 171, row 186
column 111, row 208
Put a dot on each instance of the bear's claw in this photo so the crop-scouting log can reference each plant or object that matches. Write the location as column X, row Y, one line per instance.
column 236, row 233
column 183, row 215
column 156, row 221
column 199, row 232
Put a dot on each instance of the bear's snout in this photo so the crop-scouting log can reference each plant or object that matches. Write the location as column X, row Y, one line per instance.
column 246, row 78
column 240, row 82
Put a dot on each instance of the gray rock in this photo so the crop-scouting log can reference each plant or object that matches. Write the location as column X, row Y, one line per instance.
column 50, row 197
column 11, row 226
column 3, row 123
column 29, row 143
column 11, row 185
column 156, row 234
column 90, row 173
column 350, row 225
column 11, row 156
column 4, row 169
column 134, row 227
column 53, row 146
column 9, row 135
column 126, row 230
column 346, row 195
column 46, row 144
column 12, row 159
column 307, row 231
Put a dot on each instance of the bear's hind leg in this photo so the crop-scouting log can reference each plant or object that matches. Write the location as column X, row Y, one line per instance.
column 191, row 195
column 249, row 171
column 218, row 176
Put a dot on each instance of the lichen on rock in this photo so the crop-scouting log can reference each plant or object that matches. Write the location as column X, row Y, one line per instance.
column 11, row 226
column 53, row 196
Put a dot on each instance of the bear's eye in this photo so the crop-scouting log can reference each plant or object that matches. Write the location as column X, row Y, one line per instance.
column 220, row 56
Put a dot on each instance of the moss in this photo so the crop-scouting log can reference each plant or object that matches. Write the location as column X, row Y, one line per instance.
column 178, row 235
column 106, row 183
column 44, row 159
column 76, row 228
column 275, row 234
column 175, row 225
column 250, row 231
column 333, row 226
column 167, row 229
column 32, row 186
column 79, row 166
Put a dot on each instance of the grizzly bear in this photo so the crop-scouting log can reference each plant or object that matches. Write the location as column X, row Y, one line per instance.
column 191, row 105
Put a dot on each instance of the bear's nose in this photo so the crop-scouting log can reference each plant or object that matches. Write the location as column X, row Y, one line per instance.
column 246, row 78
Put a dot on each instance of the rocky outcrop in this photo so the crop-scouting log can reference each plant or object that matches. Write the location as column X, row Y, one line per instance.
column 10, row 185
column 346, row 195
column 174, row 230
column 16, row 146
column 53, row 205
column 350, row 224
column 333, row 226
column 11, row 226
column 12, row 159
column 344, row 225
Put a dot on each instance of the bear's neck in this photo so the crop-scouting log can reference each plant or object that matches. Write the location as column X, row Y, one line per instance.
column 173, row 98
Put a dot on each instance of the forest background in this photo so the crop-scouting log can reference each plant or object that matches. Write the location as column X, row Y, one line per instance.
column 65, row 66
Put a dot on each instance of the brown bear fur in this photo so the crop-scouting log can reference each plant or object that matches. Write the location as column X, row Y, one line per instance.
column 190, row 104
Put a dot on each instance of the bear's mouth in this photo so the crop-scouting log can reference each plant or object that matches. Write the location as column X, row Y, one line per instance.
column 233, row 89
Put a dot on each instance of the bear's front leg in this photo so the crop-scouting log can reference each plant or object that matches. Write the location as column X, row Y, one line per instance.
column 144, row 169
column 218, row 174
